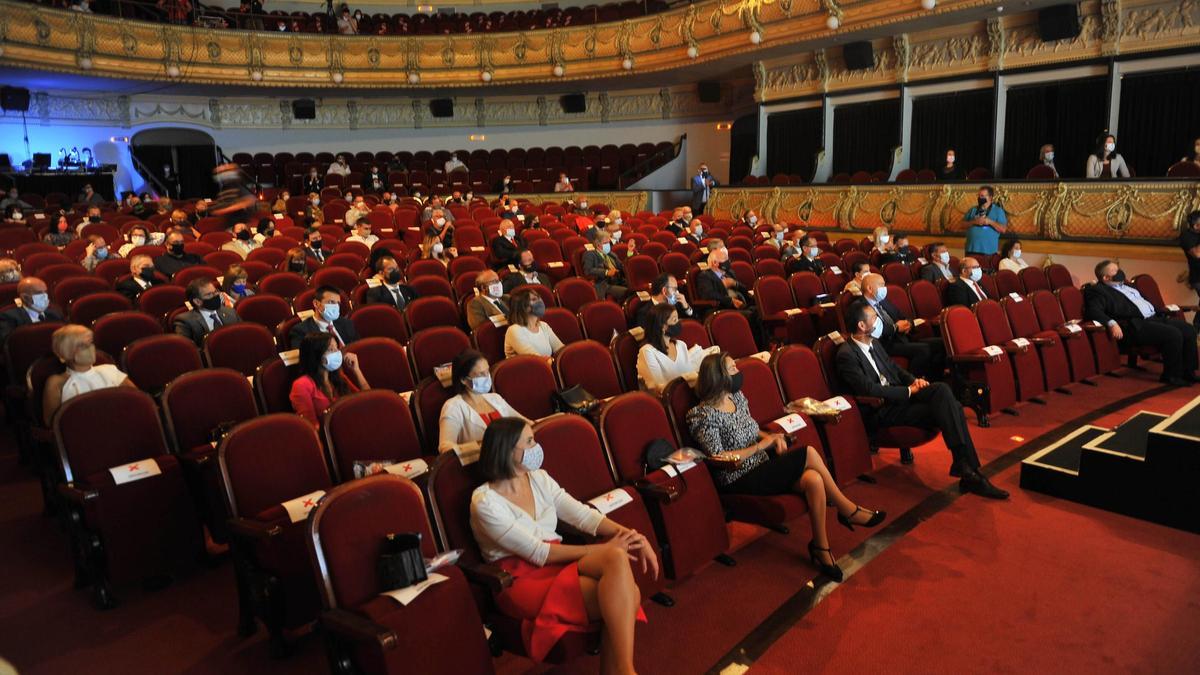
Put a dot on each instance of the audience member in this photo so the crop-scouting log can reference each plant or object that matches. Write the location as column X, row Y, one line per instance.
column 296, row 261
column 243, row 241
column 280, row 204
column 208, row 311
column 938, row 266
column 432, row 248
column 858, row 270
column 489, row 299
column 391, row 289
column 138, row 235
column 376, row 181
column 97, row 251
column 141, row 276
column 60, row 233
column 506, row 247
column 314, row 245
column 466, row 415
column 13, row 198
column 966, row 289
column 563, row 184
column 950, row 170
column 527, row 333
column 1010, row 256
column 809, row 259
column 339, row 167
column 74, row 346
column 527, row 273
column 1134, row 320
column 604, row 269
column 926, row 357
column 756, row 462
column 176, row 258
column 264, row 230
column 362, row 233
column 702, row 185
column 313, row 183
column 566, row 588
column 987, row 222
column 326, row 318
column 235, row 284
column 864, row 366
column 89, row 196
column 1105, row 162
column 664, row 289
column 662, row 356
column 326, row 374
column 33, row 308
column 1046, row 158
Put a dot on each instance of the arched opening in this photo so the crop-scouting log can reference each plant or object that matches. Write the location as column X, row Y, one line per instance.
column 176, row 161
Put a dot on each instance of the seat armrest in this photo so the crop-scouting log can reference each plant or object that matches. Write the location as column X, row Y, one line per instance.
column 358, row 628
column 1042, row 341
column 1093, row 327
column 1067, row 334
column 659, row 492
column 973, row 357
column 871, row 401
column 490, row 576
column 76, row 494
column 252, row 530
column 1014, row 349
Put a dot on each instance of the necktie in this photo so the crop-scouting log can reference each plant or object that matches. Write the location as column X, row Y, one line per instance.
column 878, row 366
column 41, row 317
column 399, row 298
column 335, row 335
column 216, row 320
column 978, row 290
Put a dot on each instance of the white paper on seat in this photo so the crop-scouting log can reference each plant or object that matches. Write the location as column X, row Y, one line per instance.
column 828, row 305
column 127, row 473
column 792, row 311
column 702, row 266
column 410, row 469
column 791, row 423
column 298, row 508
column 765, row 357
column 373, row 282
column 682, row 240
column 637, row 332
column 521, row 217
column 406, row 395
column 922, row 261
column 838, row 403
column 468, row 453
column 673, row 470
column 835, row 269
column 407, row 595
column 918, row 322
column 278, row 216
column 498, row 320
column 836, row 337
column 643, row 296
column 993, row 350
column 554, row 265
column 1072, row 328
column 39, row 216
column 305, row 314
column 1020, row 342
column 611, row 501
column 477, row 249
column 1172, row 308
column 290, row 357
column 1016, row 297
column 414, row 229
column 250, row 379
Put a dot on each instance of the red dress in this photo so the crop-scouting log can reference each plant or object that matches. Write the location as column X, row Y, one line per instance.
column 309, row 401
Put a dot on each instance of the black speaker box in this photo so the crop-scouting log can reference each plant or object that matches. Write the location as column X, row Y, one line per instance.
column 304, row 109
column 573, row 103
column 858, row 55
column 709, row 92
column 14, row 98
column 441, row 107
column 1058, row 22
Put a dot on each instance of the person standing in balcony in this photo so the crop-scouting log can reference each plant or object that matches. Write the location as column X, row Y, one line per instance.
column 346, row 23
column 1105, row 162
column 702, row 185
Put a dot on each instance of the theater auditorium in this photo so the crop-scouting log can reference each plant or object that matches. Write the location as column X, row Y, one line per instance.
column 599, row 336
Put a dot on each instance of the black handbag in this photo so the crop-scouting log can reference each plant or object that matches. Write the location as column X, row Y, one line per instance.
column 400, row 562
column 657, row 453
column 575, row 400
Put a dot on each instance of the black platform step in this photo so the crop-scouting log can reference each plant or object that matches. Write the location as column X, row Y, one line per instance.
column 1055, row 468
column 1130, row 438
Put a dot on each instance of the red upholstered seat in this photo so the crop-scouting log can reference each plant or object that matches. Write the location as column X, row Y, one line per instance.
column 1078, row 346
column 1104, row 347
column 114, row 331
column 731, row 331
column 573, row 293
column 1024, row 323
column 527, row 383
column 439, row 633
column 185, row 276
column 428, row 286
column 964, row 347
column 153, row 361
column 265, row 310
column 694, row 333
column 339, row 277
column 601, row 320
column 926, row 300
column 1007, row 282
column 369, row 426
column 427, row 267
column 1034, row 279
column 286, row 285
column 640, row 270
column 137, row 529
column 380, row 321
column 240, row 346
column 1026, row 362
column 384, row 363
column 158, row 301
column 488, row 339
column 428, row 312
column 69, row 290
column 434, row 347
column 565, row 324
column 1058, row 276
column 88, row 308
column 774, row 297
column 590, row 365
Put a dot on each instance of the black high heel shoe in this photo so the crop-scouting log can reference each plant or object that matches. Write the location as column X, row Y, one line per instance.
column 876, row 518
column 830, row 570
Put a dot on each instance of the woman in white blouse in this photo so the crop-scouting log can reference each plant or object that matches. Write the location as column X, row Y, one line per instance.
column 73, row 345
column 557, row 588
column 466, row 416
column 527, row 333
column 1010, row 256
column 663, row 356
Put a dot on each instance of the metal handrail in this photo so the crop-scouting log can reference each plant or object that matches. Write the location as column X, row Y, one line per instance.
column 639, row 169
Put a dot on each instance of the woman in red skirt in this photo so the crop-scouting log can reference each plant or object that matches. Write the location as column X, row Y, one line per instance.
column 557, row 588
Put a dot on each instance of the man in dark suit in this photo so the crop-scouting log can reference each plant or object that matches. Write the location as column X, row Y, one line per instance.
column 664, row 288
column 391, row 289
column 702, row 185
column 864, row 367
column 938, row 268
column 966, row 289
column 208, row 311
column 326, row 318
column 313, row 245
column 1132, row 319
column 527, row 273
column 927, row 357
column 141, row 269
column 808, row 260
column 35, row 308
column 604, row 269
column 175, row 259
column 506, row 246
column 719, row 285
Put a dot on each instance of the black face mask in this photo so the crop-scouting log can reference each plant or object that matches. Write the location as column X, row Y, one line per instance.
column 267, row 231
column 1119, row 277
column 316, row 245
column 735, row 383
column 296, row 265
column 94, row 219
column 211, row 304
column 674, row 330
column 982, row 201
column 147, row 274
column 244, row 235
column 177, row 249
column 393, row 276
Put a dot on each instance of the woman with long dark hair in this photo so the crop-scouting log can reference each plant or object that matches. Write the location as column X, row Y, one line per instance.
column 1105, row 162
column 326, row 374
column 663, row 356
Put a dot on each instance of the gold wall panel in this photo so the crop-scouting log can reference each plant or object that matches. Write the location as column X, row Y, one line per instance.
column 1145, row 212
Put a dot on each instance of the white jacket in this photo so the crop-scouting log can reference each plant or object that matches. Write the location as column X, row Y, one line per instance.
column 459, row 423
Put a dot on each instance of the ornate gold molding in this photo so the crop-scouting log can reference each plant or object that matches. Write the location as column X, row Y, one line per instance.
column 38, row 37
column 1094, row 211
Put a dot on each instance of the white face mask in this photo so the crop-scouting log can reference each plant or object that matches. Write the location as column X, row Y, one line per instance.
column 137, row 240
column 1050, row 156
column 438, row 248
column 752, row 220
column 39, row 302
column 616, row 236
column 814, row 252
column 883, row 238
column 1110, row 146
column 510, row 233
column 532, row 461
column 495, row 289
column 976, row 273
column 1016, row 253
column 440, row 222
column 949, row 159
column 944, row 256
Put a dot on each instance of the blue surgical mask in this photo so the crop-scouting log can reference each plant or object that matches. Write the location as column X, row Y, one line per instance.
column 240, row 288
column 814, row 252
column 607, row 248
column 944, row 257
column 881, row 294
column 670, row 297
column 976, row 274
column 752, row 220
column 331, row 312
column 40, row 302
column 779, row 236
column 332, row 361
column 532, row 461
column 101, row 253
column 877, row 329
column 481, row 384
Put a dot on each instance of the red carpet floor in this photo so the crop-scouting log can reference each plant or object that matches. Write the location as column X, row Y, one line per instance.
column 1036, row 584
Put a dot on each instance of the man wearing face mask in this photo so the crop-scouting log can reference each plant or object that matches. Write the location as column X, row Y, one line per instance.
column 489, row 299
column 313, row 182
column 857, row 271
column 89, row 196
column 903, row 253
column 243, row 241
column 208, row 311
column 526, row 273
column 664, row 289
column 326, row 318
column 376, row 181
column 864, row 366
column 436, row 210
column 966, row 289
column 93, row 218
column 13, row 198
column 693, row 232
column 702, row 185
column 1134, row 320
column 926, row 357
column 176, row 258
column 809, row 260
column 391, row 289
column 314, row 245
column 141, row 277
column 604, row 269
column 939, row 267
column 678, row 225
column 987, row 222
column 34, row 308
column 507, row 246
column 97, row 252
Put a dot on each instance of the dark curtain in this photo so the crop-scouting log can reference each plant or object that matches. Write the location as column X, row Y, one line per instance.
column 1068, row 115
column 196, row 163
column 961, row 120
column 743, row 145
column 864, row 136
column 1159, row 119
column 793, row 141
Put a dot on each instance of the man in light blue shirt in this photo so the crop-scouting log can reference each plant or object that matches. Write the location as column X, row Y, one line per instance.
column 988, row 221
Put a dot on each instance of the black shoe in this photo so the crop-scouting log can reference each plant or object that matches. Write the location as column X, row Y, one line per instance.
column 875, row 519
column 830, row 570
column 955, row 472
column 977, row 483
column 906, row 456
column 1174, row 381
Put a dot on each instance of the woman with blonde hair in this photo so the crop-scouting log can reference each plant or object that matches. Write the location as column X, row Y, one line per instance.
column 74, row 346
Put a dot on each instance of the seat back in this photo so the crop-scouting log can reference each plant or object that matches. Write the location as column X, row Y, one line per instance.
column 1034, row 279
column 339, row 277
column 961, row 335
column 71, row 289
column 731, row 331
column 158, row 300
column 1148, row 287
column 1007, row 281
column 564, row 323
column 527, row 383
column 774, row 295
column 926, row 300
column 678, row 397
column 589, row 365
column 1058, row 276
column 434, row 347
column 369, row 427
column 198, row 403
column 270, row 460
column 88, row 308
column 1021, row 317
column 602, row 320
column 1049, row 312
column 427, row 401
column 624, row 349
column 694, row 333
column 806, row 286
column 628, row 424
column 151, row 362
column 573, row 293
column 267, row 311
column 383, row 321
column 25, row 345
column 113, row 332
column 428, row 312
column 450, row 486
column 131, row 431
column 273, row 385
column 384, row 363
column 240, row 346
column 993, row 322
column 640, row 270
column 488, row 338
column 573, row 455
column 286, row 285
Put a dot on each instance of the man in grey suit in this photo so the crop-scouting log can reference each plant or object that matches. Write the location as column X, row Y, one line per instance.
column 702, row 185
column 604, row 269
column 208, row 311
column 489, row 299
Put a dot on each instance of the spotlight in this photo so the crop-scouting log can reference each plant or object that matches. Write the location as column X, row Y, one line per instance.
column 928, row 4
column 173, row 71
column 85, row 63
column 338, row 77
column 256, row 75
